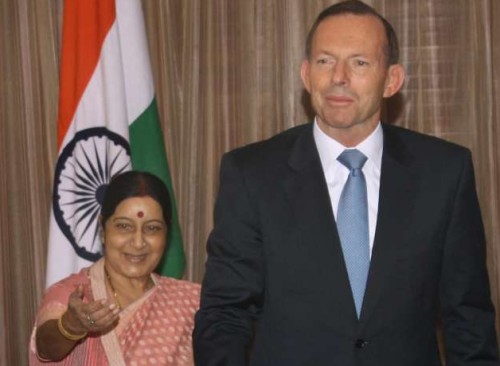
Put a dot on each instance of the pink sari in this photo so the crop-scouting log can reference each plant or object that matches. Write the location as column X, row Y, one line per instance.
column 156, row 329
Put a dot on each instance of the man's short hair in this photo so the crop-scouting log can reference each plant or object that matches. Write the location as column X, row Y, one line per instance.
column 357, row 7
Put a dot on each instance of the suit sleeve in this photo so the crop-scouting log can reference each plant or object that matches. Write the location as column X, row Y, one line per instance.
column 467, row 310
column 233, row 284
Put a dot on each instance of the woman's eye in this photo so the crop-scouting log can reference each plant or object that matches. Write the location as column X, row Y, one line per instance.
column 152, row 228
column 123, row 226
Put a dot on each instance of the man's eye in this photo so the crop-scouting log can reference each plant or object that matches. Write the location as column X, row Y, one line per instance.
column 361, row 63
column 324, row 60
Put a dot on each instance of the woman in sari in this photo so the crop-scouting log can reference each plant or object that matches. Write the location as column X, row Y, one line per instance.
column 117, row 311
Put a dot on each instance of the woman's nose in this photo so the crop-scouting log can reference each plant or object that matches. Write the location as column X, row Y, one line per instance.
column 139, row 240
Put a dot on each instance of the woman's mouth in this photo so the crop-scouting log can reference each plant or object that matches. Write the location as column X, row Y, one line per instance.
column 135, row 258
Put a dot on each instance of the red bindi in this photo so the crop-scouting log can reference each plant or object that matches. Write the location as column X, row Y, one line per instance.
column 140, row 214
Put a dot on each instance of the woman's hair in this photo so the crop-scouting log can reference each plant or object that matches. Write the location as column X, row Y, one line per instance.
column 135, row 184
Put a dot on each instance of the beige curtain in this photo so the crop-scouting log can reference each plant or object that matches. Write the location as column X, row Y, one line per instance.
column 227, row 74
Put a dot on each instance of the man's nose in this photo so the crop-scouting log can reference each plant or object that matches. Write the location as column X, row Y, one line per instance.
column 340, row 73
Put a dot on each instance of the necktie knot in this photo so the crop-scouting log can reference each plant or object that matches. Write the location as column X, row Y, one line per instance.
column 352, row 159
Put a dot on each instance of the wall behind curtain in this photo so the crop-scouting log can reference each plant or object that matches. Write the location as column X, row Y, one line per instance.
column 227, row 74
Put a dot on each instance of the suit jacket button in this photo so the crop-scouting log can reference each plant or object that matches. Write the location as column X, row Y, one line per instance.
column 360, row 343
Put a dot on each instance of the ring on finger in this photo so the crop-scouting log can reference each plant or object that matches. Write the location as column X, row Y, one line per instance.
column 90, row 320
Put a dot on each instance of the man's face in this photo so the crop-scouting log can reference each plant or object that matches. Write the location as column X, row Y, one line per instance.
column 347, row 76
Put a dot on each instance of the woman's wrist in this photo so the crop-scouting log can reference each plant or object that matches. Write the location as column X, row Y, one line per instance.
column 68, row 334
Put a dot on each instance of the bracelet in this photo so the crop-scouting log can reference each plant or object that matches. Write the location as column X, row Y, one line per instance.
column 68, row 335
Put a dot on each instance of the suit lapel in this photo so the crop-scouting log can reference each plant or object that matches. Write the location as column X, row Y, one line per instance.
column 307, row 192
column 396, row 200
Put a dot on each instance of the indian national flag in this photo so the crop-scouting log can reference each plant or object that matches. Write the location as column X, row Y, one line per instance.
column 108, row 123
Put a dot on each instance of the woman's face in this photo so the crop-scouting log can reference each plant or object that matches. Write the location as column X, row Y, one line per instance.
column 135, row 238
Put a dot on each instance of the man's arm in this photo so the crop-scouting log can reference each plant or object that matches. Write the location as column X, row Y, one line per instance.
column 233, row 284
column 468, row 314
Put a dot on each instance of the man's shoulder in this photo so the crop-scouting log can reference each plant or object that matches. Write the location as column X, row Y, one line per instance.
column 275, row 147
column 421, row 142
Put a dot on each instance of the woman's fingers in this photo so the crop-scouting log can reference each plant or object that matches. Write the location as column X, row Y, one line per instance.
column 74, row 316
column 108, row 316
column 77, row 294
column 76, row 299
column 101, row 315
column 83, row 316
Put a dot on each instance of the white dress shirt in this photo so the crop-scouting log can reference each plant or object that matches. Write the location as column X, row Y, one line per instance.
column 336, row 174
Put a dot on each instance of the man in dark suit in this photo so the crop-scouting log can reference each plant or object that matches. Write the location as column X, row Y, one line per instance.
column 345, row 241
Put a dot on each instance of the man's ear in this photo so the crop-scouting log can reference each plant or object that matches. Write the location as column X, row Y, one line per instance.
column 394, row 80
column 304, row 74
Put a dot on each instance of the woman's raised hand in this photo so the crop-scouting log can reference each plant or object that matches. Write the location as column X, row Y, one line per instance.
column 88, row 317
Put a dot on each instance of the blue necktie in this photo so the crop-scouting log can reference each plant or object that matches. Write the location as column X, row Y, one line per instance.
column 352, row 224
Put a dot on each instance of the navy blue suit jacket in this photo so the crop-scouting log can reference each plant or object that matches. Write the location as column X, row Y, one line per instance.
column 276, row 291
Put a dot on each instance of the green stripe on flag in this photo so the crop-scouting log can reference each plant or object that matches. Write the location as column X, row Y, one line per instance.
column 148, row 154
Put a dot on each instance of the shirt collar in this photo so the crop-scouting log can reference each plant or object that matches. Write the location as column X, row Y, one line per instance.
column 329, row 149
